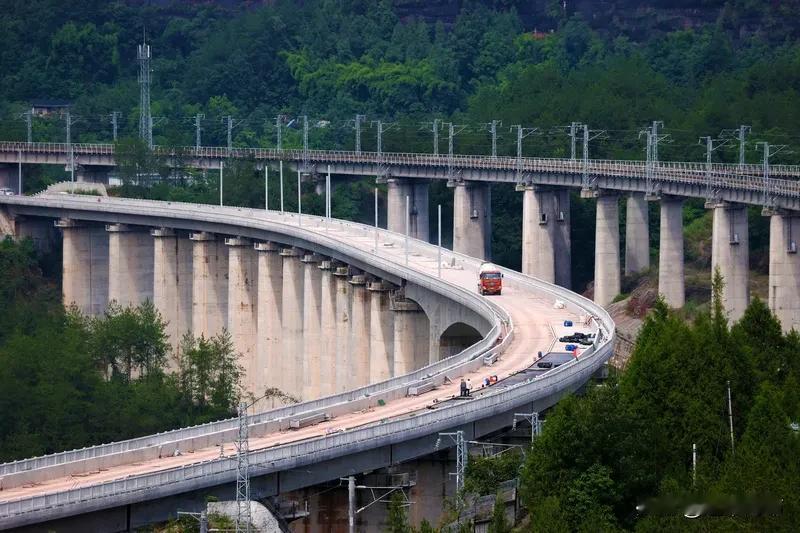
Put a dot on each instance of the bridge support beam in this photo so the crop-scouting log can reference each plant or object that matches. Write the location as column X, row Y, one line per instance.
column 327, row 329
column 670, row 253
column 292, row 326
column 359, row 331
column 270, row 301
column 209, row 284
column 606, row 258
column 172, row 285
column 84, row 266
column 563, row 239
column 381, row 333
column 539, row 233
column 472, row 216
column 410, row 343
column 130, row 265
column 417, row 192
column 344, row 361
column 312, row 324
column 242, row 309
column 784, row 269
column 637, row 234
column 730, row 253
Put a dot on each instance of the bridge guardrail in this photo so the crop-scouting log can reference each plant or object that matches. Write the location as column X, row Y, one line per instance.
column 457, row 294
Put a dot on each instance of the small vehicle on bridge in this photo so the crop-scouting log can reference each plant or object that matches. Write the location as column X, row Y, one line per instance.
column 5, row 191
column 490, row 279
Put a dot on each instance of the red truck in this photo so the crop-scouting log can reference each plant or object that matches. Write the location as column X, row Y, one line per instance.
column 490, row 279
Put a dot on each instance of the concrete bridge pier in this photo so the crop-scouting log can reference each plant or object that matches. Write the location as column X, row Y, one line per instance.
column 328, row 328
column 381, row 332
column 242, row 308
column 172, row 285
column 784, row 268
column 270, row 301
column 472, row 233
column 130, row 264
column 291, row 355
column 539, row 232
column 344, row 363
column 417, row 192
column 730, row 253
column 312, row 324
column 670, row 253
column 84, row 266
column 359, row 331
column 563, row 239
column 209, row 284
column 637, row 234
column 410, row 342
column 606, row 258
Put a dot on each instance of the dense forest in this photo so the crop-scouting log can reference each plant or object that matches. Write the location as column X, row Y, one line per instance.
column 69, row 381
column 702, row 68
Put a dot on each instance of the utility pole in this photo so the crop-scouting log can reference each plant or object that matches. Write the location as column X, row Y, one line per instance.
column 305, row 143
column 588, row 182
column 711, row 145
column 228, row 120
column 533, row 418
column 281, row 184
column 278, row 129
column 694, row 464
column 357, row 125
column 221, row 164
column 742, row 135
column 457, row 438
column 197, row 130
column 29, row 124
column 573, row 130
column 381, row 128
column 730, row 416
column 376, row 221
column 408, row 225
column 114, row 124
column 145, row 119
column 439, row 229
column 351, row 507
column 493, row 130
column 769, row 151
column 452, row 131
column 436, row 125
column 521, row 134
column 653, row 138
column 69, row 121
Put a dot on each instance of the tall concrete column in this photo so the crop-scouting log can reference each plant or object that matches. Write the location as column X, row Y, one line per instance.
column 312, row 327
column 730, row 253
column 243, row 309
column 209, row 284
column 637, row 234
column 606, row 258
column 327, row 328
column 417, row 192
column 359, row 331
column 270, row 301
column 563, row 239
column 130, row 265
column 344, row 368
column 172, row 285
column 411, row 331
column 85, row 266
column 381, row 333
column 538, row 233
column 292, row 330
column 784, row 269
column 472, row 219
column 670, row 253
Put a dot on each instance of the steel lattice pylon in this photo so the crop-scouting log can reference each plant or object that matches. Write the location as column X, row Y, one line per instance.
column 145, row 119
column 242, row 474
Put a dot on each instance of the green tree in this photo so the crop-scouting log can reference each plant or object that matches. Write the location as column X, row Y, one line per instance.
column 498, row 523
column 396, row 519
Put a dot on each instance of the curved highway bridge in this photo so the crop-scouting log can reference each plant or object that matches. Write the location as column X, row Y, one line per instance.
column 395, row 416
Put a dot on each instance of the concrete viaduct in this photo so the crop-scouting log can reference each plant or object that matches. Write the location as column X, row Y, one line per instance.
column 546, row 246
column 371, row 329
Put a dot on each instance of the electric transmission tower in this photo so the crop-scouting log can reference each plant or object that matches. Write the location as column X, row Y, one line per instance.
column 145, row 119
column 242, row 473
column 452, row 131
column 653, row 140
